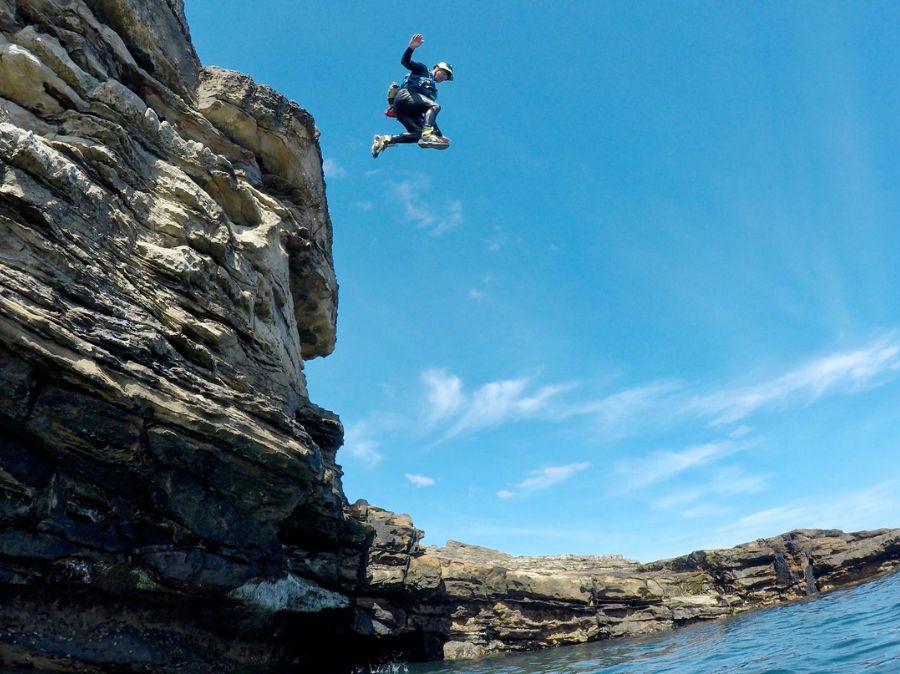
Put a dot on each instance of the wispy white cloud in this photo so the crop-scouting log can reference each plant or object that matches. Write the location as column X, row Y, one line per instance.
column 365, row 205
column 704, row 510
column 731, row 482
column 544, row 478
column 716, row 487
column 443, row 393
column 665, row 464
column 664, row 404
column 500, row 402
column 425, row 209
column 740, row 431
column 587, row 539
column 497, row 240
column 768, row 522
column 446, row 408
column 451, row 411
column 627, row 412
column 865, row 508
column 653, row 406
column 481, row 291
column 626, row 403
column 419, row 480
column 332, row 169
column 450, row 218
column 850, row 511
column 551, row 475
column 359, row 443
column 363, row 437
column 677, row 500
column 844, row 372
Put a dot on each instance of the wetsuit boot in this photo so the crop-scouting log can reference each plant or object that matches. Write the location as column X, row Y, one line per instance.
column 379, row 145
column 432, row 140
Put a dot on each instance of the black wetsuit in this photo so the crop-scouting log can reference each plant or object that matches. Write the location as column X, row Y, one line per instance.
column 415, row 108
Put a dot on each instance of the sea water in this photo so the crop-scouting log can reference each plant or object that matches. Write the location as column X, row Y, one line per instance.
column 847, row 631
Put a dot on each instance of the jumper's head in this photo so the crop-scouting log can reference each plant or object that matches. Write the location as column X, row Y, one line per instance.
column 442, row 71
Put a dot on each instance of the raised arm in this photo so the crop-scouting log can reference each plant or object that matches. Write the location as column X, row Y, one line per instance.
column 414, row 43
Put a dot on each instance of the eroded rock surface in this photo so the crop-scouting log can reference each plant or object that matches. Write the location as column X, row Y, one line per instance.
column 476, row 601
column 165, row 269
column 169, row 496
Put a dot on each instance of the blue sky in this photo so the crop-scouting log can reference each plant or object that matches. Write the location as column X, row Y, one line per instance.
column 648, row 300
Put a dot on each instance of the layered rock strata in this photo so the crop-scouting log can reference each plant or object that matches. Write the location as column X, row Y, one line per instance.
column 169, row 496
column 482, row 601
column 165, row 270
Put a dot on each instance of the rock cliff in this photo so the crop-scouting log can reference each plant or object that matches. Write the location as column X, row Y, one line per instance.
column 169, row 496
column 165, row 269
column 502, row 603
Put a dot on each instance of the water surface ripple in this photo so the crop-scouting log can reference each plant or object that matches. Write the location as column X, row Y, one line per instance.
column 848, row 631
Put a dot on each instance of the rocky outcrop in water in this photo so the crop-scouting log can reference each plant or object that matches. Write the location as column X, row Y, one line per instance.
column 169, row 497
column 488, row 602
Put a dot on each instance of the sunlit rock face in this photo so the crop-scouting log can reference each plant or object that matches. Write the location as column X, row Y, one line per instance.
column 169, row 496
column 165, row 269
column 494, row 603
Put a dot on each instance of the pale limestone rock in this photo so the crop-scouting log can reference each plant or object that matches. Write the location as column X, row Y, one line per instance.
column 283, row 141
column 464, row 650
column 25, row 79
column 289, row 594
column 424, row 573
column 493, row 602
column 619, row 588
column 464, row 581
column 381, row 577
column 51, row 53
column 548, row 587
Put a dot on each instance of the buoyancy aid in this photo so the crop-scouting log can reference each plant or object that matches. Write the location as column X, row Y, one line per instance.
column 423, row 84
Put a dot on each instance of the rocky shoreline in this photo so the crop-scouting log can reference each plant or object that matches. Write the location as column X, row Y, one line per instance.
column 170, row 498
column 525, row 603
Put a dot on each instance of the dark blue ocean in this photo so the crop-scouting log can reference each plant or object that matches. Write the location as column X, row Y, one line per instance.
column 852, row 631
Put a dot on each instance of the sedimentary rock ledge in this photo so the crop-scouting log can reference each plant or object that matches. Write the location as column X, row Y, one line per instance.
column 482, row 601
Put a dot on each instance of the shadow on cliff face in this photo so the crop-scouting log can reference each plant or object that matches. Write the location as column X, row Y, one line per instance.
column 313, row 645
column 147, row 634
column 142, row 632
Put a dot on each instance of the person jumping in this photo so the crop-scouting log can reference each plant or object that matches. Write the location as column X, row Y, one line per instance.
column 415, row 104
